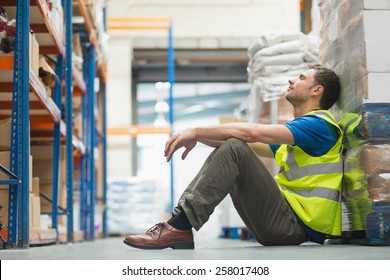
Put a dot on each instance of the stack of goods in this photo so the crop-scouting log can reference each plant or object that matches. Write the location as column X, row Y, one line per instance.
column 352, row 45
column 133, row 205
column 7, row 32
column 375, row 162
column 274, row 59
column 95, row 10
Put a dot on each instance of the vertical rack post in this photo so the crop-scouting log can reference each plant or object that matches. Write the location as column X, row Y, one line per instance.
column 83, row 163
column 68, row 115
column 171, row 80
column 104, row 159
column 91, row 119
column 104, row 138
column 56, row 146
column 18, row 213
column 88, row 192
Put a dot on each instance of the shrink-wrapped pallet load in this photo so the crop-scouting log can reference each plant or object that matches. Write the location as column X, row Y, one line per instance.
column 354, row 45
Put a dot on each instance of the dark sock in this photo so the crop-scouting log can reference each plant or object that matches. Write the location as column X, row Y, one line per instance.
column 180, row 221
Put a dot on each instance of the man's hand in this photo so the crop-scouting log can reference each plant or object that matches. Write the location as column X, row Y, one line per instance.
column 186, row 139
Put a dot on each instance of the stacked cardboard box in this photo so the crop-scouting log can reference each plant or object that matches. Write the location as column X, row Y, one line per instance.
column 34, row 200
column 43, row 169
column 354, row 45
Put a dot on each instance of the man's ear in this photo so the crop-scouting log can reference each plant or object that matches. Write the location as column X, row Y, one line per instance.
column 318, row 90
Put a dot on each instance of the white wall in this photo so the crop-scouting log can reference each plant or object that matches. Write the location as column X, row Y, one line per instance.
column 217, row 18
column 119, row 105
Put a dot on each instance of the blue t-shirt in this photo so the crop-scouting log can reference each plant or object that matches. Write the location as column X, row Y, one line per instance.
column 312, row 134
column 315, row 136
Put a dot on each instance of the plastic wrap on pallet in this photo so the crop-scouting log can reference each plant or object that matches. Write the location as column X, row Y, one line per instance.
column 378, row 226
column 133, row 204
column 379, row 187
column 375, row 159
column 353, row 47
column 381, row 207
column 375, row 123
column 356, row 201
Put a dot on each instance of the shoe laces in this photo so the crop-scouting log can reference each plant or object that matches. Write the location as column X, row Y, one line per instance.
column 157, row 228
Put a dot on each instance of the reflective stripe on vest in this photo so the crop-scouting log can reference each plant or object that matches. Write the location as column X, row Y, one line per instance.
column 346, row 141
column 321, row 192
column 297, row 172
column 321, row 113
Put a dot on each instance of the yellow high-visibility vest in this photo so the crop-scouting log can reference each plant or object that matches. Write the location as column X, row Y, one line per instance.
column 312, row 184
column 355, row 181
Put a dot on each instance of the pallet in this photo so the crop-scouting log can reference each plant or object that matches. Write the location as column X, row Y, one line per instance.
column 230, row 232
column 42, row 237
column 359, row 237
column 241, row 233
column 78, row 236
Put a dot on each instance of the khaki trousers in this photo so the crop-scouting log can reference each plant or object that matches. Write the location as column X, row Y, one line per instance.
column 235, row 169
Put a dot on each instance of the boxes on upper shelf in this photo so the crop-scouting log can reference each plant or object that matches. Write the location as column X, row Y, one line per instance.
column 34, row 54
column 5, row 134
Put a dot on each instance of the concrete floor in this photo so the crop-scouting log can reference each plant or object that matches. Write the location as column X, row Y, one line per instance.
column 205, row 249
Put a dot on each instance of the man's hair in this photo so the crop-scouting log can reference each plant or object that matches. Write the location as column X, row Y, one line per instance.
column 331, row 83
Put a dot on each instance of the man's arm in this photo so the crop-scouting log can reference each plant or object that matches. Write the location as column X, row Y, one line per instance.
column 248, row 132
column 262, row 149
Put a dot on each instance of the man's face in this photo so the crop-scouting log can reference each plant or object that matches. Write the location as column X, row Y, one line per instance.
column 299, row 90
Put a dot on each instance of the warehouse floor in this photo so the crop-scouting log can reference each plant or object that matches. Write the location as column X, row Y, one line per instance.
column 205, row 248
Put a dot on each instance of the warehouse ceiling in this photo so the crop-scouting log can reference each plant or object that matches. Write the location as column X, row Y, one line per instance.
column 208, row 82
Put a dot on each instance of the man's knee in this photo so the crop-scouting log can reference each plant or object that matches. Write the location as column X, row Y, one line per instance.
column 235, row 143
column 235, row 146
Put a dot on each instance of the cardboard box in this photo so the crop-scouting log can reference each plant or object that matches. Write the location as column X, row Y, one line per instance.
column 5, row 134
column 34, row 54
column 377, row 58
column 43, row 163
column 373, row 87
column 374, row 23
column 35, row 222
column 56, row 17
column 35, row 186
column 47, row 190
column 377, row 4
column 30, row 209
column 51, row 75
column 4, row 208
column 5, row 161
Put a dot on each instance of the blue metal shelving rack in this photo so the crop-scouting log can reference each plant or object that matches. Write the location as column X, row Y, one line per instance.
column 67, row 4
column 18, row 214
column 56, row 147
column 104, row 140
column 88, row 174
column 91, row 138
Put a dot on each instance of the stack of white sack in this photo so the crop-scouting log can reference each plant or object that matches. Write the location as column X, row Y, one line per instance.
column 274, row 59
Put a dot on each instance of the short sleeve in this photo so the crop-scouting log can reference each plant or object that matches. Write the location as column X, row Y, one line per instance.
column 313, row 134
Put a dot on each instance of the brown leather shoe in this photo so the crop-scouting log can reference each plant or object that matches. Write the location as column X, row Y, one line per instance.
column 162, row 236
